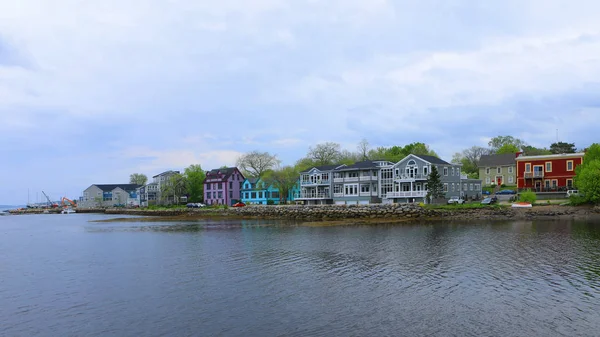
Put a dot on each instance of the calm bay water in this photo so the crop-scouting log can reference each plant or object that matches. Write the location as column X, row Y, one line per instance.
column 61, row 275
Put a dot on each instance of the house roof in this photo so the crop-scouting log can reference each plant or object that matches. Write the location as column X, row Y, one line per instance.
column 552, row 156
column 226, row 172
column 505, row 159
column 432, row 159
column 166, row 173
column 252, row 180
column 324, row 167
column 367, row 164
column 110, row 187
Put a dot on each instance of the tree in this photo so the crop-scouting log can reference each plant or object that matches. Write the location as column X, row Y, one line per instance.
column 508, row 148
column 419, row 148
column 347, row 157
column 497, row 142
column 587, row 175
column 561, row 147
column 255, row 163
column 138, row 178
column 435, row 188
column 363, row 150
column 534, row 151
column 469, row 158
column 195, row 182
column 284, row 179
column 174, row 189
column 325, row 153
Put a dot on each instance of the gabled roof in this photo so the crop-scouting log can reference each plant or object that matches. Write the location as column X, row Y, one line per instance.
column 252, row 180
column 110, row 187
column 166, row 173
column 429, row 159
column 324, row 167
column 505, row 159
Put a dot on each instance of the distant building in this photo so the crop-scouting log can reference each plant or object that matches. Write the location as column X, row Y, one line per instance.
column 547, row 173
column 498, row 169
column 258, row 192
column 316, row 185
column 222, row 186
column 358, row 183
column 161, row 181
column 109, row 195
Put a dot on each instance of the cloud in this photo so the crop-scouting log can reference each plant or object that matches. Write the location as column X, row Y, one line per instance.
column 107, row 87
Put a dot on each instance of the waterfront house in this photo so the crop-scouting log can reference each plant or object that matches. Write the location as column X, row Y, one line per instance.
column 498, row 169
column 316, row 185
column 470, row 189
column 358, row 183
column 222, row 186
column 547, row 173
column 162, row 181
column 108, row 195
column 255, row 191
column 406, row 181
column 148, row 194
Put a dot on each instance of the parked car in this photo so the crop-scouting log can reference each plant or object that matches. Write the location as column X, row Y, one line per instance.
column 489, row 201
column 239, row 204
column 195, row 205
column 506, row 192
column 485, row 192
column 572, row 192
column 456, row 200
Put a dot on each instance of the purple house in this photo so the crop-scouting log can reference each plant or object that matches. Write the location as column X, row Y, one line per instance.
column 222, row 186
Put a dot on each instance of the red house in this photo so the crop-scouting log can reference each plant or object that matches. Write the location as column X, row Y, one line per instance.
column 547, row 173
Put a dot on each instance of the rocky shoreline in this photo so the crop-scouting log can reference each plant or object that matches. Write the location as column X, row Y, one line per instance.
column 394, row 212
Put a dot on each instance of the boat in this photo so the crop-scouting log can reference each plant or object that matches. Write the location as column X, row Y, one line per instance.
column 4, row 213
column 67, row 211
column 521, row 204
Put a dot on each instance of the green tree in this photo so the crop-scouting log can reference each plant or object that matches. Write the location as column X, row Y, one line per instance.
column 508, row 148
column 174, row 189
column 363, row 150
column 435, row 188
column 284, row 179
column 348, row 158
column 324, row 154
column 587, row 178
column 194, row 174
column 497, row 142
column 561, row 147
column 138, row 178
column 255, row 163
column 419, row 148
column 534, row 151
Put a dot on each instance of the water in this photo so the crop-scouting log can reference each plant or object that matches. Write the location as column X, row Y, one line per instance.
column 64, row 276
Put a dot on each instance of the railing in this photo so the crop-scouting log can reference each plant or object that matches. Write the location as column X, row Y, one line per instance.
column 368, row 178
column 338, row 195
column 313, row 196
column 411, row 177
column 406, row 194
column 309, row 183
column 338, row 180
column 530, row 175
column 367, row 194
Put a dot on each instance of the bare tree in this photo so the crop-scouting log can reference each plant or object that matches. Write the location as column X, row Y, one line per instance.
column 363, row 149
column 256, row 163
column 137, row 178
column 325, row 153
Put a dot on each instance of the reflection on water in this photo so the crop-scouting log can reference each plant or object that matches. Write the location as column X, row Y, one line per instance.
column 66, row 276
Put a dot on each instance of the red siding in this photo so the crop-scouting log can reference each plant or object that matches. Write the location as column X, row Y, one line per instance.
column 559, row 171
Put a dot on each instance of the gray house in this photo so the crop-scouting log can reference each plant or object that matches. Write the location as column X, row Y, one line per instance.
column 108, row 195
column 406, row 181
column 161, row 181
column 498, row 169
column 358, row 183
column 316, row 185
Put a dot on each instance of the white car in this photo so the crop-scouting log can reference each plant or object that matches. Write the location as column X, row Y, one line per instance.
column 456, row 200
column 572, row 192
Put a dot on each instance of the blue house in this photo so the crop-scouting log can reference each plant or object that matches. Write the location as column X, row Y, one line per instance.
column 257, row 192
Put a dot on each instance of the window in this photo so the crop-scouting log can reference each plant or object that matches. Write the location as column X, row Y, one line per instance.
column 214, row 195
column 453, row 189
column 510, row 169
column 477, row 187
column 337, row 189
column 487, row 181
column 487, row 170
column 253, row 195
column 425, row 171
column 260, row 195
column 464, row 186
column 528, row 168
column 275, row 194
column 569, row 183
column 230, row 194
column 569, row 165
column 554, row 183
column 351, row 189
column 220, row 194
column 499, row 170
column 231, row 185
column 207, row 195
column 452, row 172
column 220, row 186
column 364, row 188
column 470, row 187
column 446, row 171
column 549, row 166
column 547, row 184
column 511, row 180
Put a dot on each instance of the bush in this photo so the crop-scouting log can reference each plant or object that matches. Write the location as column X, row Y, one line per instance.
column 528, row 196
column 503, row 185
column 576, row 200
column 270, row 202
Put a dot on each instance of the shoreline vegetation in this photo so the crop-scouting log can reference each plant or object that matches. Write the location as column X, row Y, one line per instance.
column 331, row 215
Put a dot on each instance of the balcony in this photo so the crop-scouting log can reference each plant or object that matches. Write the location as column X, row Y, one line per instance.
column 312, row 196
column 406, row 194
column 410, row 177
column 533, row 175
column 368, row 178
column 320, row 182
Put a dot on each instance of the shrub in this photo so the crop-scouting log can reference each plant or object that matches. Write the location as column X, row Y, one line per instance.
column 503, row 185
column 528, row 196
column 576, row 200
column 270, row 202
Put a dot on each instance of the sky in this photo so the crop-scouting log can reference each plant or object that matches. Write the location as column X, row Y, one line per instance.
column 92, row 91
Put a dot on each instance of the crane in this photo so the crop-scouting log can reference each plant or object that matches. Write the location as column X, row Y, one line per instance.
column 50, row 203
column 63, row 203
